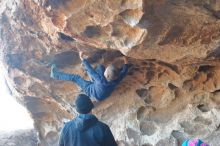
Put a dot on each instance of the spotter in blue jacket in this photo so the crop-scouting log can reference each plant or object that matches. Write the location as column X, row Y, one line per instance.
column 86, row 130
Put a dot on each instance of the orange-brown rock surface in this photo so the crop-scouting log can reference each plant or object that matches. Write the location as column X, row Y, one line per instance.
column 172, row 90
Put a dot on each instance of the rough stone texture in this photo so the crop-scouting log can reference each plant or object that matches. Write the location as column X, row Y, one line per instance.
column 19, row 138
column 172, row 91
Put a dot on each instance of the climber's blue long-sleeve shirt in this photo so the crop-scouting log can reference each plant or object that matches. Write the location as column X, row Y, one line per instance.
column 86, row 130
column 99, row 87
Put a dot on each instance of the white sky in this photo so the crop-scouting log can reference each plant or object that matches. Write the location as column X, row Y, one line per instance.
column 13, row 116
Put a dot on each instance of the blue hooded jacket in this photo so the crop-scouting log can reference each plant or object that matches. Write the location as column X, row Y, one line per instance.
column 86, row 130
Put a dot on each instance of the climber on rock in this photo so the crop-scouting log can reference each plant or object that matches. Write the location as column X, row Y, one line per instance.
column 103, row 81
column 86, row 129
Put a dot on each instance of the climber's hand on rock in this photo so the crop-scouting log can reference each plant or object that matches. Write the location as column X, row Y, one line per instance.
column 125, row 60
column 82, row 55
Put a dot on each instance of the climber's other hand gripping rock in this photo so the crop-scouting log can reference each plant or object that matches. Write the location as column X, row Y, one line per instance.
column 82, row 55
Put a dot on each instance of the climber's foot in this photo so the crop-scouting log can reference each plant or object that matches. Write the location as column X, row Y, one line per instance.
column 53, row 70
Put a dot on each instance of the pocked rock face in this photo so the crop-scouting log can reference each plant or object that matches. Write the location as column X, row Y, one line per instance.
column 172, row 90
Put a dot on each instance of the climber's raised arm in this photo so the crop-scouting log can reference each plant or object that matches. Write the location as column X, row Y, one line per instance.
column 89, row 69
column 123, row 71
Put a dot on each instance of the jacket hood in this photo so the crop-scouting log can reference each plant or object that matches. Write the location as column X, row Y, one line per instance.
column 85, row 121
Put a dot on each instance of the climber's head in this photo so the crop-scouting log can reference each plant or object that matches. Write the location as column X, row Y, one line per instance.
column 111, row 73
column 84, row 104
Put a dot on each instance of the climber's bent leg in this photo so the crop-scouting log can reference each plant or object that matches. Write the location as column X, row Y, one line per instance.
column 83, row 84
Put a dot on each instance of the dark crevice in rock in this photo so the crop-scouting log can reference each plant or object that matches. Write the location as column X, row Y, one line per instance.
column 92, row 31
column 148, row 100
column 65, row 37
column 216, row 91
column 143, row 111
column 187, row 85
column 147, row 144
column 66, row 58
column 104, row 55
column 205, row 68
column 97, row 56
column 150, row 74
column 142, row 92
column 218, row 128
column 19, row 80
column 172, row 86
column 215, row 13
column 215, row 53
column 203, row 108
